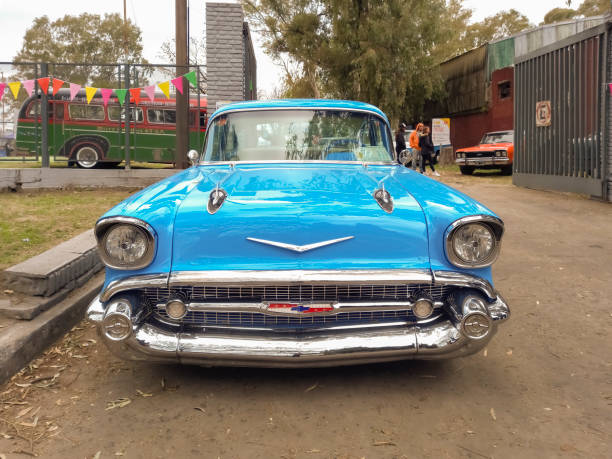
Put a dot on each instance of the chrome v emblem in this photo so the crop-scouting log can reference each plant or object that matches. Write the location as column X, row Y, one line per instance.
column 300, row 248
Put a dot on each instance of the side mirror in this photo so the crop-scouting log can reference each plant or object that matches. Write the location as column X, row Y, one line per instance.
column 193, row 156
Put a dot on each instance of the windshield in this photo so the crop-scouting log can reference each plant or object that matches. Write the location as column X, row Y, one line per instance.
column 498, row 137
column 306, row 135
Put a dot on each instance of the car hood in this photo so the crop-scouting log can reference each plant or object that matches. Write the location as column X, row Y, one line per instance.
column 299, row 204
column 487, row 147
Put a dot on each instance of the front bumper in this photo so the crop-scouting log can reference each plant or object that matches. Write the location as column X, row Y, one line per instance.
column 487, row 161
column 440, row 338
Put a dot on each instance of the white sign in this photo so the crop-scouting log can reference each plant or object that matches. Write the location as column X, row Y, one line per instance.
column 440, row 131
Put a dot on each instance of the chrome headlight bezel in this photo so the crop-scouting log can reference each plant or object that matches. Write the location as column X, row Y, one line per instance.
column 103, row 228
column 494, row 224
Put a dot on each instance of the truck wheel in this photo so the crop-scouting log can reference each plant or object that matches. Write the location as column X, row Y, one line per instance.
column 506, row 170
column 467, row 170
column 88, row 155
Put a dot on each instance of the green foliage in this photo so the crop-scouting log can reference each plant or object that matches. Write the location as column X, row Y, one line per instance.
column 594, row 7
column 558, row 15
column 88, row 38
column 503, row 24
column 380, row 52
column 586, row 9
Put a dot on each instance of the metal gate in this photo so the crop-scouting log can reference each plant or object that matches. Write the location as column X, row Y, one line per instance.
column 560, row 108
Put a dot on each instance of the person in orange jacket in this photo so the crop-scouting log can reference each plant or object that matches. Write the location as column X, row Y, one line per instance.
column 413, row 142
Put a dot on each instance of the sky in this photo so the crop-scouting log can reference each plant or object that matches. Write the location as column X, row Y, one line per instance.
column 156, row 20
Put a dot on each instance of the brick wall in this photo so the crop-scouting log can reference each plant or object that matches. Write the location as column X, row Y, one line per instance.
column 225, row 52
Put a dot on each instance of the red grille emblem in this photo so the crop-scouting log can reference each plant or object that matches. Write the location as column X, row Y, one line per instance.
column 295, row 308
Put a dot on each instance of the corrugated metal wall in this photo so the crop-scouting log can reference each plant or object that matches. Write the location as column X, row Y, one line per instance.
column 466, row 81
column 571, row 154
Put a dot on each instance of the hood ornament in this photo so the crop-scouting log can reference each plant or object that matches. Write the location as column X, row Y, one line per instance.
column 216, row 199
column 300, row 248
column 384, row 199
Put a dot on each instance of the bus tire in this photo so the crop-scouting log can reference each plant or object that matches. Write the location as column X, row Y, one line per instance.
column 88, row 155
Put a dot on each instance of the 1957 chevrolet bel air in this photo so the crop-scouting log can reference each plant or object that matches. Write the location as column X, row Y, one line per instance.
column 296, row 239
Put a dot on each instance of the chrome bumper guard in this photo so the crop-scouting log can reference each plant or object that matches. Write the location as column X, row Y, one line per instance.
column 486, row 161
column 441, row 338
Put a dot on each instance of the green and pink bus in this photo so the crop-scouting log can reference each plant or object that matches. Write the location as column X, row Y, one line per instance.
column 91, row 135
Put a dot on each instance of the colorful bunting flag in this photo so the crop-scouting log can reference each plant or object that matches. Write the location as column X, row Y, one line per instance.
column 165, row 87
column 15, row 88
column 120, row 93
column 74, row 90
column 2, row 86
column 178, row 84
column 57, row 84
column 150, row 90
column 106, row 93
column 610, row 86
column 28, row 85
column 191, row 76
column 90, row 92
column 135, row 93
column 44, row 84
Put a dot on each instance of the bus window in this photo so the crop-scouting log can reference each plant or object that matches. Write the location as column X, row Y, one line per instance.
column 115, row 112
column 170, row 116
column 33, row 111
column 202, row 119
column 159, row 116
column 58, row 109
column 86, row 112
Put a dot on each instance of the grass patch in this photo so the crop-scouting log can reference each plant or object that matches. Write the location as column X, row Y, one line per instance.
column 32, row 222
column 30, row 162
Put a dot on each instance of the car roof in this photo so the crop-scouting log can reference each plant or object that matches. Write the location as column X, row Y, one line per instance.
column 300, row 103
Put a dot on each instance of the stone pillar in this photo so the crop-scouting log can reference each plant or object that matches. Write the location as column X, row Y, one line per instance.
column 226, row 48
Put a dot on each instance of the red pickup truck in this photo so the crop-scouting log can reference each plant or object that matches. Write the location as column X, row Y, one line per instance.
column 495, row 151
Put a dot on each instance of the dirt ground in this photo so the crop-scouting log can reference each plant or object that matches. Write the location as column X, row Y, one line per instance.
column 543, row 387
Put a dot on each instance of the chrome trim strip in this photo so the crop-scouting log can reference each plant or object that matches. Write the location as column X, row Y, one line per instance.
column 247, row 277
column 105, row 224
column 239, row 278
column 298, row 161
column 496, row 224
column 300, row 248
column 465, row 280
column 485, row 161
column 339, row 307
column 133, row 282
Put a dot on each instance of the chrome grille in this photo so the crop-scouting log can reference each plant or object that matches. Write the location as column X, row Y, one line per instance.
column 298, row 293
column 261, row 320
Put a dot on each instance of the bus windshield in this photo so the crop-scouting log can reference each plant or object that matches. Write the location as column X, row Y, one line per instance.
column 315, row 135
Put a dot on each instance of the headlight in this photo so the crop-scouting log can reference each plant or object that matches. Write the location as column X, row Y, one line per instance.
column 500, row 153
column 474, row 242
column 125, row 243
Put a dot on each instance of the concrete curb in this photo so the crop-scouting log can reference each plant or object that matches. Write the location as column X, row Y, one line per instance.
column 25, row 340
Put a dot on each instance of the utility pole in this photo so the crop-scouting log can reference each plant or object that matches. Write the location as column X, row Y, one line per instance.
column 182, row 100
column 125, row 45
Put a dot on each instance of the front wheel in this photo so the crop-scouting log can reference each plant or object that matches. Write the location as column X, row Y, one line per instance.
column 88, row 156
column 467, row 170
column 506, row 170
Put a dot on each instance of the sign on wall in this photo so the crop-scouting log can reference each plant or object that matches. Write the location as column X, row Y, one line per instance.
column 543, row 113
column 440, row 131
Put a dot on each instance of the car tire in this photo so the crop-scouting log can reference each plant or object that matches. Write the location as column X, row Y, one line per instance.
column 467, row 170
column 506, row 170
column 88, row 156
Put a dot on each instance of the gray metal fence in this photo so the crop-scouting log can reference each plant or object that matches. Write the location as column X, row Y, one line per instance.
column 560, row 111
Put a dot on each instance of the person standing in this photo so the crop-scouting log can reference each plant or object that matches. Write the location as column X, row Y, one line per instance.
column 400, row 141
column 427, row 150
column 413, row 140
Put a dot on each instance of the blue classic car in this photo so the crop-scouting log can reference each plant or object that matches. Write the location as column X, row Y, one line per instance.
column 297, row 240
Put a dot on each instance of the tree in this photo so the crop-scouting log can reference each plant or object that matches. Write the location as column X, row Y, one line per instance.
column 594, row 7
column 586, row 9
column 503, row 24
column 453, row 23
column 558, row 15
column 197, row 60
column 375, row 51
column 89, row 39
